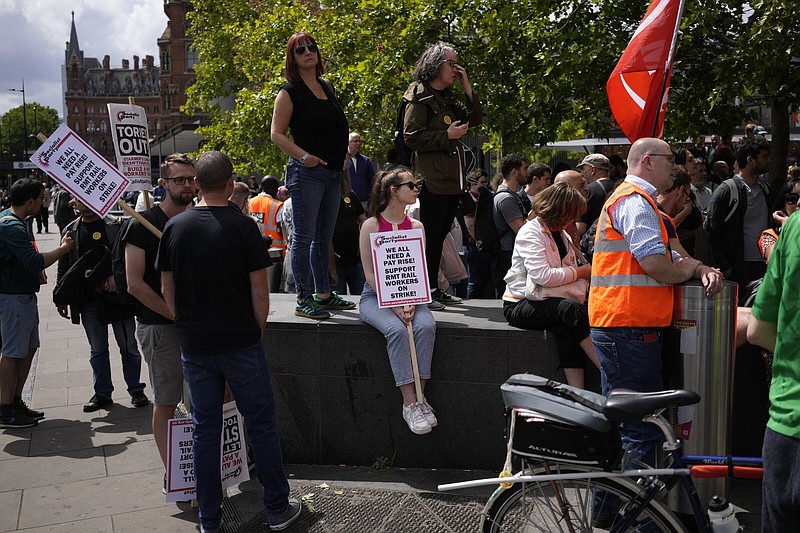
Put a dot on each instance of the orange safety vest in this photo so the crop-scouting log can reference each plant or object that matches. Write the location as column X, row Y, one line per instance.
column 621, row 293
column 265, row 211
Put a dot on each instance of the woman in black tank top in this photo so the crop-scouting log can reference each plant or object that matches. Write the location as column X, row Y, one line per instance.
column 307, row 108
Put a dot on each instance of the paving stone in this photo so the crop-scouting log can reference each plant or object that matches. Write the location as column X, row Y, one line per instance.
column 9, row 504
column 169, row 518
column 14, row 443
column 50, row 469
column 92, row 525
column 134, row 457
column 88, row 435
column 68, row 502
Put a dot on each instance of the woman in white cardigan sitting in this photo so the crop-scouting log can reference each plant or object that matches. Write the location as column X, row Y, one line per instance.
column 545, row 286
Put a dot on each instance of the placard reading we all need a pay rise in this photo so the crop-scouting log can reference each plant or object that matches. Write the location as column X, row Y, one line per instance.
column 401, row 276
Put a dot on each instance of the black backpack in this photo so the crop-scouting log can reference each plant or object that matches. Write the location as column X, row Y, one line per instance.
column 486, row 238
column 118, row 265
column 403, row 151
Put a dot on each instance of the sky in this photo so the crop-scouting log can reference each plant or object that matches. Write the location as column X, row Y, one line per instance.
column 34, row 33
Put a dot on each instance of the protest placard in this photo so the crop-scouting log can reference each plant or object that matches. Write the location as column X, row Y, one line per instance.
column 401, row 275
column 180, row 460
column 67, row 159
column 131, row 144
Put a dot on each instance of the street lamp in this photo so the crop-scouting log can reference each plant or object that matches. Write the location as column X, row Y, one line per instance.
column 24, row 119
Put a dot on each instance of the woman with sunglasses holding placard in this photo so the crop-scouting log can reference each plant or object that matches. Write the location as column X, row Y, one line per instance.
column 307, row 107
column 392, row 191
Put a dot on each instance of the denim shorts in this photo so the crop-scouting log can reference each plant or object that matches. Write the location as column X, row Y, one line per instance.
column 19, row 324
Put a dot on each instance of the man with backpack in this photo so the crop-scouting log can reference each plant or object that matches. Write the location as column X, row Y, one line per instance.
column 509, row 215
column 737, row 214
column 96, row 302
column 155, row 327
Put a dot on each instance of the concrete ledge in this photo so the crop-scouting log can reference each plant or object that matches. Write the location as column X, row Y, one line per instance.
column 337, row 402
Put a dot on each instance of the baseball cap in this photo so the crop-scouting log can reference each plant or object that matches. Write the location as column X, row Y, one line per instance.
column 597, row 161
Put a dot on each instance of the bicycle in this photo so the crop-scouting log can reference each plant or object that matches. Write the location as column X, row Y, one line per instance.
column 575, row 469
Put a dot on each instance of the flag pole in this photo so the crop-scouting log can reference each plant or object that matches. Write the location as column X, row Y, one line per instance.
column 668, row 66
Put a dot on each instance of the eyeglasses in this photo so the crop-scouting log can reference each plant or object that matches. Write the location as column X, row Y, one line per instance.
column 410, row 184
column 792, row 198
column 450, row 62
column 670, row 157
column 300, row 50
column 181, row 180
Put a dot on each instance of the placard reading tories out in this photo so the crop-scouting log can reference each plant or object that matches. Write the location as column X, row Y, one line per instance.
column 67, row 159
column 180, row 460
column 131, row 144
column 401, row 275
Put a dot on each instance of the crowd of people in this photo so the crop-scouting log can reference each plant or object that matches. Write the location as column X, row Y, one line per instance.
column 584, row 253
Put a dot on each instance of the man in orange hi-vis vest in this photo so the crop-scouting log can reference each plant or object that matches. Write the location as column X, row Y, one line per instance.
column 265, row 209
column 633, row 271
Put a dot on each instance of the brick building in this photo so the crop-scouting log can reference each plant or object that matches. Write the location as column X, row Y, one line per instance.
column 90, row 84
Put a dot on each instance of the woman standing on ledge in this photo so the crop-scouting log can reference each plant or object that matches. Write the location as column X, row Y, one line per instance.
column 392, row 191
column 307, row 106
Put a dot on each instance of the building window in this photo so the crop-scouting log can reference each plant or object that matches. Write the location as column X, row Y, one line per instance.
column 103, row 127
column 103, row 109
column 191, row 57
column 90, row 110
column 158, row 125
column 165, row 59
column 103, row 145
column 76, row 111
column 90, row 126
column 76, row 127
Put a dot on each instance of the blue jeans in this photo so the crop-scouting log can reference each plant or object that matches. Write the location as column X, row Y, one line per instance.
column 246, row 372
column 351, row 276
column 479, row 270
column 316, row 193
column 397, row 342
column 124, row 333
column 630, row 359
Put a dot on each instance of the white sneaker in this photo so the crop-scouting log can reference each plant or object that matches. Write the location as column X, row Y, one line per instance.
column 415, row 419
column 427, row 412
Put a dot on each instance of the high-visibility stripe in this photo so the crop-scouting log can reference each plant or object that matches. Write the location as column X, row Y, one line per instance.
column 626, row 280
column 611, row 246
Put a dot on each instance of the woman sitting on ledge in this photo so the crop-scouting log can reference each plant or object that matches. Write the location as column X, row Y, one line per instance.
column 545, row 287
column 392, row 191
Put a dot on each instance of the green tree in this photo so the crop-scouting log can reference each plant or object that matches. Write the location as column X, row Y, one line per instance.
column 539, row 67
column 40, row 119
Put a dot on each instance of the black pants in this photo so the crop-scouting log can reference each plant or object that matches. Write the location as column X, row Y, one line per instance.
column 42, row 220
column 501, row 262
column 568, row 320
column 436, row 212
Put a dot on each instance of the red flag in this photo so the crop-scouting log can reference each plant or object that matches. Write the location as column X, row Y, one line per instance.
column 638, row 86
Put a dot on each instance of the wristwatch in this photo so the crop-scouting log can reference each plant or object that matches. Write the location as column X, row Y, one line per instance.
column 303, row 158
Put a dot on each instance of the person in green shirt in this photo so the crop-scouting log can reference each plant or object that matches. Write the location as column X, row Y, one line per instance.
column 774, row 326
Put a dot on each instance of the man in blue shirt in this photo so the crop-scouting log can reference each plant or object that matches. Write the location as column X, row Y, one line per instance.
column 360, row 169
column 20, row 267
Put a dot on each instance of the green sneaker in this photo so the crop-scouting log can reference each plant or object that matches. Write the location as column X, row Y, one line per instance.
column 334, row 301
column 310, row 308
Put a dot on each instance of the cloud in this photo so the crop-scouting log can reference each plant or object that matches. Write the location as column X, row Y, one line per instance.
column 35, row 33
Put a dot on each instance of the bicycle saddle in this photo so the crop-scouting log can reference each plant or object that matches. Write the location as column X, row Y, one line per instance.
column 630, row 406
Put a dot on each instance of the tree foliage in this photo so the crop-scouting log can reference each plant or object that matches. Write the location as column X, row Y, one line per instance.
column 40, row 119
column 539, row 66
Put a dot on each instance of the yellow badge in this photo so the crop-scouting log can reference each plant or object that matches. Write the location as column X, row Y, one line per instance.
column 447, row 119
column 96, row 235
column 347, row 199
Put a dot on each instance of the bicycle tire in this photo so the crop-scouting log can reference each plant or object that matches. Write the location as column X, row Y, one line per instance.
column 529, row 507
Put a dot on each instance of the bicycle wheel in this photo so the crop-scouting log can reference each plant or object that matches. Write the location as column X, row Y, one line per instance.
column 567, row 505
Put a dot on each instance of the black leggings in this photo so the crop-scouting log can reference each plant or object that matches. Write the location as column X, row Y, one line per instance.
column 436, row 212
column 566, row 319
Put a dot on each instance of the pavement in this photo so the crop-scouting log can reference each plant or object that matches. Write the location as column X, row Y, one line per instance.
column 100, row 472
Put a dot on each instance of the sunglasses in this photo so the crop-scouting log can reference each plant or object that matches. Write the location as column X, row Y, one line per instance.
column 300, row 50
column 792, row 198
column 410, row 184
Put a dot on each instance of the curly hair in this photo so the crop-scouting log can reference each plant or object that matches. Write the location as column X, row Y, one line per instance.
column 430, row 62
column 558, row 205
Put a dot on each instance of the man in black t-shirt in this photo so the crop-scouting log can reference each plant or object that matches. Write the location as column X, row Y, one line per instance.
column 349, row 272
column 97, row 303
column 155, row 327
column 213, row 262
column 596, row 170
